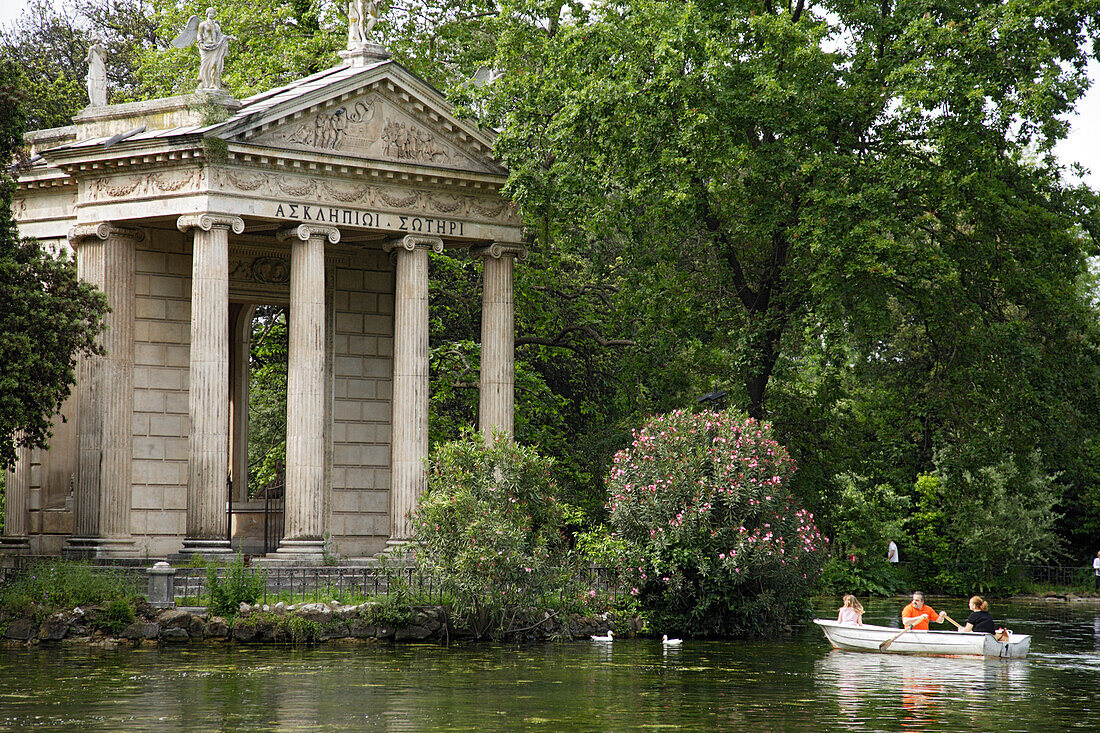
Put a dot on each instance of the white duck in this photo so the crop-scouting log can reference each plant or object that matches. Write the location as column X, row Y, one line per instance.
column 610, row 636
column 671, row 642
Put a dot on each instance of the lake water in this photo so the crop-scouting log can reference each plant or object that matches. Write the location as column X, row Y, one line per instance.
column 796, row 683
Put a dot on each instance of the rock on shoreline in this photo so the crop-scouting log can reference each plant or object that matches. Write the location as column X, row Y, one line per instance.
column 306, row 623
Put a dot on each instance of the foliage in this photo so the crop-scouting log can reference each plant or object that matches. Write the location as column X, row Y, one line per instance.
column 275, row 43
column 974, row 526
column 864, row 519
column 267, row 383
column 118, row 614
column 489, row 526
column 49, row 45
column 847, row 215
column 233, row 586
column 49, row 317
column 63, row 584
column 704, row 528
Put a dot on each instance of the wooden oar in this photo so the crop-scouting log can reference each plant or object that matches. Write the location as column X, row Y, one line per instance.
column 886, row 644
column 957, row 624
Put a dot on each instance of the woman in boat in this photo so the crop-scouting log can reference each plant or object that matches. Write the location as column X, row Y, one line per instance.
column 979, row 619
column 851, row 612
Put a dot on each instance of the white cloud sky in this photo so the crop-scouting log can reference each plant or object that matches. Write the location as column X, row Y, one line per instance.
column 1082, row 145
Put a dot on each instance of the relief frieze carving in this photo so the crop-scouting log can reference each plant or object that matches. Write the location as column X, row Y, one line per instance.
column 146, row 184
column 409, row 142
column 262, row 270
column 328, row 130
column 375, row 126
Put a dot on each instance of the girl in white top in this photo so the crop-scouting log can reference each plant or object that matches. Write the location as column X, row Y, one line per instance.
column 851, row 612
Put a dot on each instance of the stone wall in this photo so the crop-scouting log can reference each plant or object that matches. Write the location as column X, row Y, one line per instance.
column 162, row 333
column 362, row 368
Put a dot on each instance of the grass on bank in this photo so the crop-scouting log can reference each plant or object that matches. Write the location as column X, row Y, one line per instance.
column 58, row 585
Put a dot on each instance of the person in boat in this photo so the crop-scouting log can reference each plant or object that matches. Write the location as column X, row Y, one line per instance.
column 979, row 619
column 851, row 612
column 918, row 613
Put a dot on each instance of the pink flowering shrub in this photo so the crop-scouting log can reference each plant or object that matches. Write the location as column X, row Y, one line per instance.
column 489, row 527
column 704, row 531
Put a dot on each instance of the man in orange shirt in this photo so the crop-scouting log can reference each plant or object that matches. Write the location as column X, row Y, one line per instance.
column 918, row 613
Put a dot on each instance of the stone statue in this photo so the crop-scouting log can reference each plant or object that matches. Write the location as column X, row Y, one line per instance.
column 362, row 17
column 97, row 74
column 213, row 45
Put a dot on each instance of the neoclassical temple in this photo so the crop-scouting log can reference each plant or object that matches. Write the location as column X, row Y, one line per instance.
column 325, row 196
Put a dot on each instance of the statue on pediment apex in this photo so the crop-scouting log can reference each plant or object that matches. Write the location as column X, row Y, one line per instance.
column 362, row 17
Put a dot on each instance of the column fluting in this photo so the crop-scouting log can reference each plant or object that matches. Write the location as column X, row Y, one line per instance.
column 496, row 403
column 106, row 256
column 410, row 380
column 208, row 393
column 305, row 421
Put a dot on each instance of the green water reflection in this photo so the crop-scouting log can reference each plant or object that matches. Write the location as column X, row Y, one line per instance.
column 791, row 684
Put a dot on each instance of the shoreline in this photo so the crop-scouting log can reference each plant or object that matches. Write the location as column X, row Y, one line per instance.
column 307, row 623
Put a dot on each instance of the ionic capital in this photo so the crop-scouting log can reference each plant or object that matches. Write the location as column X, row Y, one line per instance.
column 206, row 222
column 410, row 242
column 496, row 250
column 102, row 230
column 305, row 232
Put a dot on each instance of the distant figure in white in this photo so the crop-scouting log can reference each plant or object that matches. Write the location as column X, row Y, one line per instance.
column 213, row 45
column 97, row 74
column 362, row 17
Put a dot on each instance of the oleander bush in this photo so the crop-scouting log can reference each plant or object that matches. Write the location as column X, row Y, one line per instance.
column 489, row 527
column 704, row 531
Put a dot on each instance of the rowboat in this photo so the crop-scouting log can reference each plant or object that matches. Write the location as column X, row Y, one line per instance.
column 967, row 643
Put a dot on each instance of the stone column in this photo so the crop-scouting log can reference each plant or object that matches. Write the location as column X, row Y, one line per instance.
column 15, row 539
column 105, row 395
column 305, row 393
column 496, row 405
column 409, row 446
column 208, row 394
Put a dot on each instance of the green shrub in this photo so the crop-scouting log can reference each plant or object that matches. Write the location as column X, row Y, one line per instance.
column 489, row 526
column 865, row 517
column 975, row 524
column 704, row 531
column 118, row 614
column 64, row 584
column 236, row 586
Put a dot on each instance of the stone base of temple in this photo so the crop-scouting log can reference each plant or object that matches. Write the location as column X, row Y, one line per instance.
column 209, row 549
column 99, row 548
column 15, row 546
column 295, row 553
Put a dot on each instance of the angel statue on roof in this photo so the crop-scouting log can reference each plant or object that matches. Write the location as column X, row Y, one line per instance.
column 212, row 43
column 362, row 17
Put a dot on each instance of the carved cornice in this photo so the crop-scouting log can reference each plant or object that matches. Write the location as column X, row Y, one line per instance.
column 305, row 232
column 410, row 242
column 206, row 222
column 496, row 250
column 102, row 230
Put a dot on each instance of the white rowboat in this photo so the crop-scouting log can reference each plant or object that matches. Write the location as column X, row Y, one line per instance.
column 968, row 643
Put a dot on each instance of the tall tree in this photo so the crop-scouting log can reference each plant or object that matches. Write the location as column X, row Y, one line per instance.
column 848, row 211
column 48, row 318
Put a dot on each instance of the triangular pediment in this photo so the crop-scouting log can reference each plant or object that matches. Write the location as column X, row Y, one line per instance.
column 378, row 114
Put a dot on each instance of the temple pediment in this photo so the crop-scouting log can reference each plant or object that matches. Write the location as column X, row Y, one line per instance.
column 381, row 113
